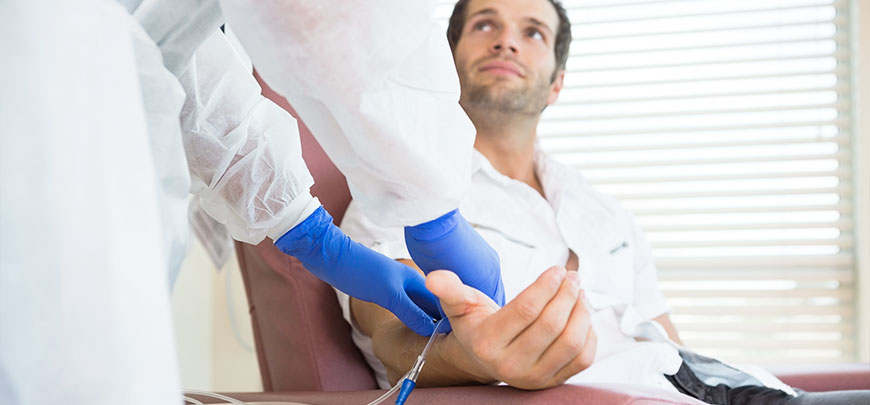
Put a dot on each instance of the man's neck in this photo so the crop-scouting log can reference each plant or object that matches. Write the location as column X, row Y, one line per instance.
column 508, row 142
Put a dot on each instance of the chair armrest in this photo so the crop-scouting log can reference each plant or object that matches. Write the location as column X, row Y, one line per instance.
column 825, row 377
column 611, row 394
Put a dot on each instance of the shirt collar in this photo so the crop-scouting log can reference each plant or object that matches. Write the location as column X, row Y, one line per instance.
column 553, row 175
column 480, row 164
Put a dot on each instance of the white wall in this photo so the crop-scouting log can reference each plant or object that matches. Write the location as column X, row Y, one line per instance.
column 210, row 356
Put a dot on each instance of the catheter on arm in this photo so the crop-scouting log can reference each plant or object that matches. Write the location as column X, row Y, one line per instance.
column 409, row 380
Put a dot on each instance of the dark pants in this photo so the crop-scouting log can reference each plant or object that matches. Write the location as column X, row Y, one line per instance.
column 689, row 384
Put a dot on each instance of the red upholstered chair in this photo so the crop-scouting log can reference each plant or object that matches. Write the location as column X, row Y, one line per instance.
column 303, row 344
column 304, row 347
column 300, row 345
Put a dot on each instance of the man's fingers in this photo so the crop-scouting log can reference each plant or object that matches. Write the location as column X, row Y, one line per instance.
column 457, row 299
column 582, row 361
column 523, row 310
column 570, row 343
column 551, row 323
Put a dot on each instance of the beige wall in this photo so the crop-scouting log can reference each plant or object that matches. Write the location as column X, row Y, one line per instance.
column 192, row 306
column 861, row 77
column 210, row 356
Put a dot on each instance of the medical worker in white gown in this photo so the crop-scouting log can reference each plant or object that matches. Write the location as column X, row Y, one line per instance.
column 112, row 112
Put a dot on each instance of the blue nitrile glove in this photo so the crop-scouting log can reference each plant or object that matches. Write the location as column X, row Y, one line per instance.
column 450, row 243
column 361, row 272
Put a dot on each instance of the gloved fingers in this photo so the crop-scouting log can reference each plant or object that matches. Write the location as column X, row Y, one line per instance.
column 450, row 242
column 498, row 295
column 412, row 316
column 434, row 229
column 415, row 287
column 424, row 298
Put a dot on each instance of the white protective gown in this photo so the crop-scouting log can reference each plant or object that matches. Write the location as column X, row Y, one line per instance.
column 84, row 302
column 376, row 84
column 95, row 167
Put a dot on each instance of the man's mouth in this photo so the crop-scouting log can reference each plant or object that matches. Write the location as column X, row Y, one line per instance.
column 501, row 68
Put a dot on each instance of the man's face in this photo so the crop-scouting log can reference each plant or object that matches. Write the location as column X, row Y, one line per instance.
column 505, row 56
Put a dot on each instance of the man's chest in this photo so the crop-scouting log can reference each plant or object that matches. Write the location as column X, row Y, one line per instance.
column 530, row 235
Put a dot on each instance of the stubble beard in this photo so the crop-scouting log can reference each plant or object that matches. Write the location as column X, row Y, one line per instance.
column 495, row 97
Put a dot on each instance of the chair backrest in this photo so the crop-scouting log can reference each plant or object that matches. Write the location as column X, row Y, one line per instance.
column 302, row 341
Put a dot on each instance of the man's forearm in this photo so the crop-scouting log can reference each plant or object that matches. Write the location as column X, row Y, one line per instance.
column 397, row 347
column 517, row 343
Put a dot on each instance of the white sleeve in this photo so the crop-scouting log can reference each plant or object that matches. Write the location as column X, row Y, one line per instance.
column 84, row 301
column 386, row 240
column 376, row 84
column 648, row 298
column 177, row 27
column 243, row 150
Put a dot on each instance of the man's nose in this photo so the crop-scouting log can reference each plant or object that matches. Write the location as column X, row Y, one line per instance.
column 505, row 42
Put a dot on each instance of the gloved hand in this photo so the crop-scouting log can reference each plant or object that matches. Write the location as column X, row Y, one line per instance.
column 450, row 243
column 361, row 272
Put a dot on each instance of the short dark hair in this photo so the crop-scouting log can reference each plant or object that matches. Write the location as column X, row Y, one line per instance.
column 563, row 31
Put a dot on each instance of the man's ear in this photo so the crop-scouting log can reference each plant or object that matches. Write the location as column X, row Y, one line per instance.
column 556, row 86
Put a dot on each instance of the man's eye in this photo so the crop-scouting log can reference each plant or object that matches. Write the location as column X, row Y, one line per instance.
column 483, row 26
column 535, row 34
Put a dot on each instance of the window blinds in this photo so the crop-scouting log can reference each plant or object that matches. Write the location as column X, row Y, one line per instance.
column 724, row 126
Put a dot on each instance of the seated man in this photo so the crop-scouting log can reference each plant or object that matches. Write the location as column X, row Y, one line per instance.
column 601, row 320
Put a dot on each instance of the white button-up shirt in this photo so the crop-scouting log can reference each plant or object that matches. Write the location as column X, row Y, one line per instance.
column 531, row 233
